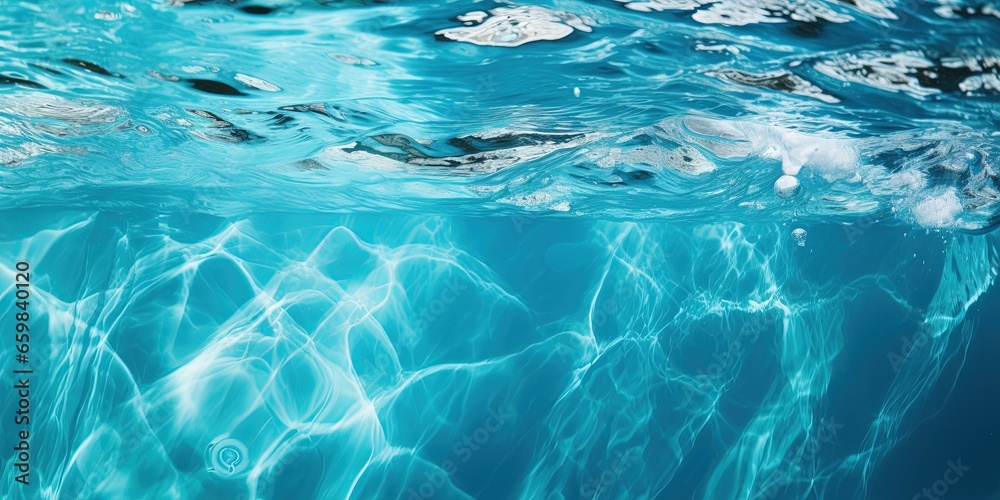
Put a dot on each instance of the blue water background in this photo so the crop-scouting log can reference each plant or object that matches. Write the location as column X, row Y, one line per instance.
column 571, row 250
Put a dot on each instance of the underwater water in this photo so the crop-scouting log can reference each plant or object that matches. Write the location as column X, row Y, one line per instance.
column 664, row 249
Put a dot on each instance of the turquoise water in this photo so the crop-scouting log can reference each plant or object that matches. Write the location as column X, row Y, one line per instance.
column 657, row 249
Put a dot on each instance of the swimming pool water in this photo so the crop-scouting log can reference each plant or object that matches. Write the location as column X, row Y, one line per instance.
column 560, row 249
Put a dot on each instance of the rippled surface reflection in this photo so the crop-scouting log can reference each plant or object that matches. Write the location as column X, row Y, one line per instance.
column 880, row 108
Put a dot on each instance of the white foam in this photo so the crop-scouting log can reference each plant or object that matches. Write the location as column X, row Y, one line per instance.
column 909, row 181
column 661, row 5
column 987, row 82
column 744, row 12
column 684, row 158
column 513, row 26
column 477, row 16
column 938, row 211
column 831, row 157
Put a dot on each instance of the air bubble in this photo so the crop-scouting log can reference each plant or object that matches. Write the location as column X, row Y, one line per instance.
column 226, row 456
column 799, row 235
column 104, row 15
column 786, row 186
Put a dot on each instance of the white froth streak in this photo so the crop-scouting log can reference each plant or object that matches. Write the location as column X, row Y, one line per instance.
column 834, row 159
column 831, row 157
column 514, row 26
column 938, row 211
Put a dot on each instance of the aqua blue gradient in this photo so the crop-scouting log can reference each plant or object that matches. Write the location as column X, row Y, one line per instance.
column 384, row 250
column 354, row 354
